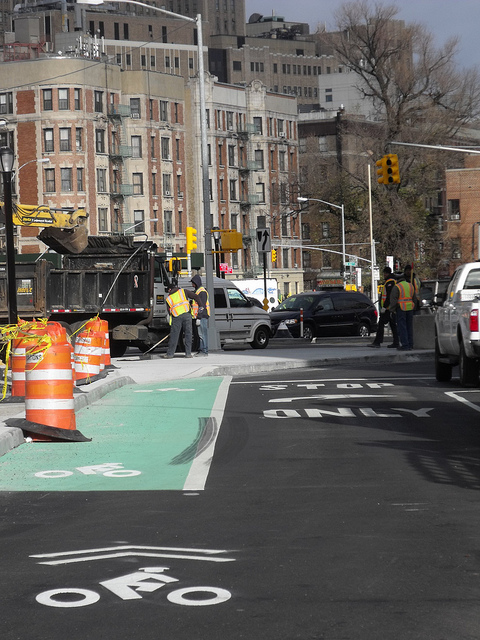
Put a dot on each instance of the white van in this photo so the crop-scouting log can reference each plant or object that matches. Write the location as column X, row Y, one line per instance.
column 237, row 319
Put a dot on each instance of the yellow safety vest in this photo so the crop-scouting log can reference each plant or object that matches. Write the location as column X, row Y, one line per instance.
column 178, row 303
column 194, row 308
column 407, row 291
column 384, row 292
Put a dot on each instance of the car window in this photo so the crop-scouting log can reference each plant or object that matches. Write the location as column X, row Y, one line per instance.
column 473, row 280
column 237, row 299
column 325, row 304
column 344, row 302
column 220, row 300
column 295, row 303
column 453, row 284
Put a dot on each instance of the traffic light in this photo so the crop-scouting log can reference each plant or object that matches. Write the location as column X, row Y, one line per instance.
column 191, row 239
column 388, row 173
column 274, row 255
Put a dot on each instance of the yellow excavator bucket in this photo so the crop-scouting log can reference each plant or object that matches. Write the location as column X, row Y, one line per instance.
column 25, row 215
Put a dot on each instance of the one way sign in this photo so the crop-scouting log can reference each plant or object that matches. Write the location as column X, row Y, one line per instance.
column 264, row 242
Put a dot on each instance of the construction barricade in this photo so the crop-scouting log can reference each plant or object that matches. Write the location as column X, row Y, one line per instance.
column 89, row 355
column 49, row 405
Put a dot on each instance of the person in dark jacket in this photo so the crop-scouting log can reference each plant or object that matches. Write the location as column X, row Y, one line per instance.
column 201, row 312
column 386, row 317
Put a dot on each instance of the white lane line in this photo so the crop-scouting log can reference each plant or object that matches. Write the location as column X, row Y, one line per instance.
column 455, row 396
column 198, row 474
column 313, row 380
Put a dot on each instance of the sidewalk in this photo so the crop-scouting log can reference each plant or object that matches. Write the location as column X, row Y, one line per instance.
column 144, row 369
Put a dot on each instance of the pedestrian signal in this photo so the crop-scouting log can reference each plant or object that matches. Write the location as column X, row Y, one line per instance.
column 191, row 239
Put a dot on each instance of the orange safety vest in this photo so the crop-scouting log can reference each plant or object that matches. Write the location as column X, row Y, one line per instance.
column 384, row 292
column 194, row 309
column 407, row 291
column 178, row 303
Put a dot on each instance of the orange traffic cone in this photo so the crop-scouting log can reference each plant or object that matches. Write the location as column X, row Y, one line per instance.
column 101, row 326
column 18, row 367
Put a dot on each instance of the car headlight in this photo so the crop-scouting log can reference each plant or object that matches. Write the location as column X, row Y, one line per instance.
column 291, row 321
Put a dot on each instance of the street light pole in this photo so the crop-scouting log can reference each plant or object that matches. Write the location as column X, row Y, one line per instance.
column 213, row 339
column 138, row 223
column 6, row 167
column 342, row 211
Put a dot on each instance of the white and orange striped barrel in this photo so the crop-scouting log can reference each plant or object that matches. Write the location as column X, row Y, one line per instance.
column 88, row 354
column 18, row 367
column 49, row 381
column 101, row 326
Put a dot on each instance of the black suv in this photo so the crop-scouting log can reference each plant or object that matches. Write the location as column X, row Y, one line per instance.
column 327, row 314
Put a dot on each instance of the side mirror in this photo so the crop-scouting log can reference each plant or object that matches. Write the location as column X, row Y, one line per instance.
column 440, row 298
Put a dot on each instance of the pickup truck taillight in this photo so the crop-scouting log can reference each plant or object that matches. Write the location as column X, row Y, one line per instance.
column 474, row 320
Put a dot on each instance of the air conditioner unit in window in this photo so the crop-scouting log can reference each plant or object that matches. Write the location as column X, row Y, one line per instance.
column 166, row 193
column 135, row 116
column 282, row 134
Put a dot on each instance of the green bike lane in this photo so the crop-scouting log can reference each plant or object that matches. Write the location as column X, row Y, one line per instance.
column 159, row 436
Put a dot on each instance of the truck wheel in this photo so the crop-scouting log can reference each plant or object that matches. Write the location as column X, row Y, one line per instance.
column 443, row 370
column 261, row 338
column 468, row 369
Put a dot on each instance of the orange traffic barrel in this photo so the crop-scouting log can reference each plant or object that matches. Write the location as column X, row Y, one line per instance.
column 101, row 326
column 88, row 355
column 18, row 367
column 49, row 382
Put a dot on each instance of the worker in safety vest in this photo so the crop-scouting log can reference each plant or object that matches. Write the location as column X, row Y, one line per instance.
column 412, row 277
column 402, row 302
column 178, row 306
column 385, row 316
column 201, row 312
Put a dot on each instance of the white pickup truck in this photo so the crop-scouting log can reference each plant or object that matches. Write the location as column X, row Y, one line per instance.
column 457, row 330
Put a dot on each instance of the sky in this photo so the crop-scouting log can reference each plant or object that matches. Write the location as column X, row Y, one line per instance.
column 443, row 18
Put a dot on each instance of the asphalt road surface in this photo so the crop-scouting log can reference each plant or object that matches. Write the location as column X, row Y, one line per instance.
column 341, row 503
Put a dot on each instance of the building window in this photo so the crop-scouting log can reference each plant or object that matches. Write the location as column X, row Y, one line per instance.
column 167, row 184
column 154, row 184
column 454, row 209
column 66, row 180
column 80, row 185
column 135, row 107
column 177, row 149
column 164, row 110
column 284, row 226
column 233, row 189
column 98, row 102
column 137, row 184
column 231, row 155
column 116, row 31
column 237, row 65
column 65, row 139
column 165, row 148
column 260, row 190
column 6, row 102
column 78, row 139
column 325, row 230
column 125, row 31
column 179, row 186
column 47, row 100
column 257, row 121
column 101, row 180
column 136, row 146
column 259, row 159
column 49, row 180
column 63, row 100
column 100, row 140
column 102, row 219
column 176, row 112
column 281, row 161
column 48, row 140
column 285, row 255
column 139, row 221
column 220, row 154
column 167, row 222
column 305, row 231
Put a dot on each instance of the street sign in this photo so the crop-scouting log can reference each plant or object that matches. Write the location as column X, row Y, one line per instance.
column 264, row 241
column 223, row 267
column 352, row 263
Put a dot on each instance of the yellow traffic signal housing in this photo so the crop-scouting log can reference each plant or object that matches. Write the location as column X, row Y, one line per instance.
column 191, row 239
column 274, row 255
column 388, row 173
column 231, row 240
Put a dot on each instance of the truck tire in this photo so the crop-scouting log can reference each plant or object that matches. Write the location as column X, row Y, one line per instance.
column 261, row 338
column 443, row 370
column 469, row 369
column 118, row 348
